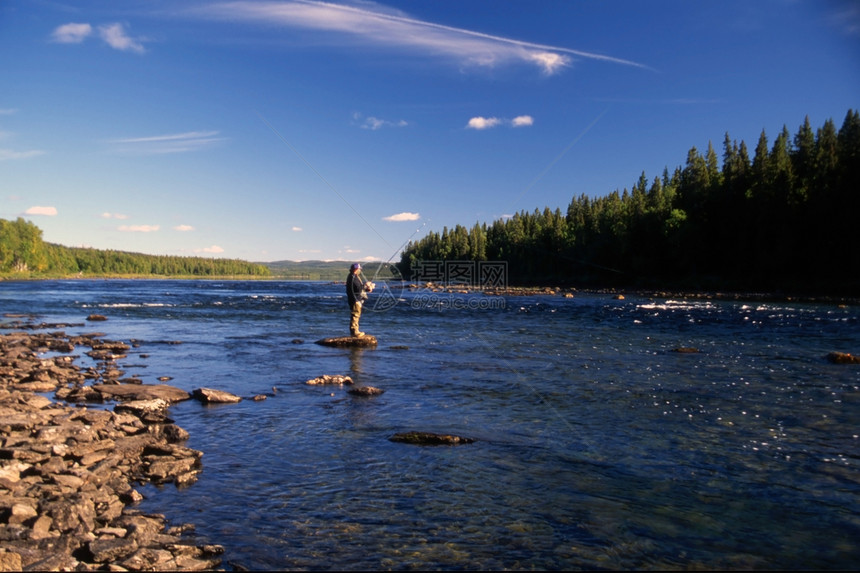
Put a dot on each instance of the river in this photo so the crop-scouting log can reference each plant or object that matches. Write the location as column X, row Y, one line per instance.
column 597, row 444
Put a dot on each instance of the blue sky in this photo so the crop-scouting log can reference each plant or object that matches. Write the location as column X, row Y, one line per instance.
column 297, row 129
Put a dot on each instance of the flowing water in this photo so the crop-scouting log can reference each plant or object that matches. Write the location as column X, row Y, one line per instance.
column 597, row 444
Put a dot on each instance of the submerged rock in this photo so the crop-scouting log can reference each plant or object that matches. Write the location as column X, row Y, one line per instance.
column 349, row 341
column 843, row 358
column 365, row 391
column 686, row 350
column 430, row 439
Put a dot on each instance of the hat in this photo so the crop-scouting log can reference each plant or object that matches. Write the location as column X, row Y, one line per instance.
column 355, row 267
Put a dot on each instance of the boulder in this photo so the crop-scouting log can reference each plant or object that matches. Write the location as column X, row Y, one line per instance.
column 210, row 396
column 349, row 341
column 429, row 439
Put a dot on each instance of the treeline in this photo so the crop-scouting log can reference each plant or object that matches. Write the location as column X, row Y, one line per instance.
column 785, row 219
column 24, row 253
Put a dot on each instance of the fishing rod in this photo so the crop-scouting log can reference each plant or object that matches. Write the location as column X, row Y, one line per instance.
column 342, row 198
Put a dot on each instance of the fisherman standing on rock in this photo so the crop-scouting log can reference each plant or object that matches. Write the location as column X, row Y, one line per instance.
column 356, row 294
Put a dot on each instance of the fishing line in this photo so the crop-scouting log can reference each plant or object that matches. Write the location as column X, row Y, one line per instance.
column 399, row 249
column 559, row 156
column 494, row 350
column 330, row 186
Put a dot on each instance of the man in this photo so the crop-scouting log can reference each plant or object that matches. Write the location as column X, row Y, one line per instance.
column 356, row 293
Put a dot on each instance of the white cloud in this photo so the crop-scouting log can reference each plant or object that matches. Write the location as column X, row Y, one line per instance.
column 138, row 228
column 183, row 228
column 549, row 62
column 214, row 249
column 483, row 122
column 297, row 229
column 72, row 33
column 374, row 24
column 406, row 216
column 9, row 154
column 107, row 215
column 46, row 211
column 170, row 143
column 115, row 36
column 488, row 122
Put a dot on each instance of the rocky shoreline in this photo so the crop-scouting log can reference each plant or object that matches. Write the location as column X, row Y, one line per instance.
column 68, row 471
column 619, row 293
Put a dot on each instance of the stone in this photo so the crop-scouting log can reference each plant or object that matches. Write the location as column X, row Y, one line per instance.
column 66, row 472
column 169, row 394
column 843, row 358
column 330, row 379
column 10, row 561
column 111, row 549
column 210, row 396
column 365, row 391
column 142, row 407
column 429, row 438
column 349, row 341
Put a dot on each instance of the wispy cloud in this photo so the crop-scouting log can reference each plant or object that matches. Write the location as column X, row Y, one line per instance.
column 114, row 35
column 297, row 229
column 183, row 228
column 172, row 143
column 405, row 216
column 374, row 123
column 10, row 154
column 138, row 228
column 846, row 17
column 8, row 111
column 214, row 249
column 7, row 154
column 43, row 211
column 373, row 24
column 120, row 216
column 489, row 122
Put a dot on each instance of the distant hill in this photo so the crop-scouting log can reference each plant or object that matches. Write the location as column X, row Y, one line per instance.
column 327, row 270
column 309, row 270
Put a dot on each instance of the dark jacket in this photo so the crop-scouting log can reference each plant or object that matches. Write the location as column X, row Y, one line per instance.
column 354, row 289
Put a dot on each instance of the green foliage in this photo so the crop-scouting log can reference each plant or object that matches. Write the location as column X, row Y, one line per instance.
column 23, row 253
column 785, row 220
